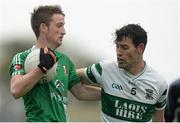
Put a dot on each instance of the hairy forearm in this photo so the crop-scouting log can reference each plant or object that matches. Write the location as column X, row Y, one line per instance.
column 20, row 85
column 91, row 93
column 86, row 92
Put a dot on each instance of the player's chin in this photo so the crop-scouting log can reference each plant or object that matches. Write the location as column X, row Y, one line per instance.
column 59, row 42
column 56, row 45
column 121, row 65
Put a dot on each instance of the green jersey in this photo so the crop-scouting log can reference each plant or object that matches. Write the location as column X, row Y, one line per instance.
column 48, row 101
column 126, row 97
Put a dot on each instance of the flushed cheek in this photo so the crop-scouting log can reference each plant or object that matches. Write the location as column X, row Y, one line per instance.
column 131, row 58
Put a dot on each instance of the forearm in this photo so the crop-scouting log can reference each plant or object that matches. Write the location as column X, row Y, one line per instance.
column 81, row 74
column 91, row 93
column 20, row 85
column 158, row 116
column 86, row 92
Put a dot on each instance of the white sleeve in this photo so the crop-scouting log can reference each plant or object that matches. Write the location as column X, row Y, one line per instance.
column 161, row 103
column 93, row 73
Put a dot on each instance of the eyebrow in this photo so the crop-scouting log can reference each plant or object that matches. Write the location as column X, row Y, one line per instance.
column 60, row 23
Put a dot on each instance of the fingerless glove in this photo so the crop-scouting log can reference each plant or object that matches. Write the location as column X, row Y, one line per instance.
column 47, row 59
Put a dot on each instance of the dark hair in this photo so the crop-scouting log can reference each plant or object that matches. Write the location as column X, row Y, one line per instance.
column 133, row 31
column 43, row 14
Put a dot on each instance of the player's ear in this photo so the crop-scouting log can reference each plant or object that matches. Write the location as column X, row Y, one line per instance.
column 43, row 27
column 141, row 48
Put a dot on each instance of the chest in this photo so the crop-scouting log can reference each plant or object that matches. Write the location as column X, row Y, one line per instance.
column 139, row 89
column 60, row 82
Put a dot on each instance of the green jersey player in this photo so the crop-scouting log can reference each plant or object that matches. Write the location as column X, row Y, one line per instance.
column 131, row 90
column 47, row 101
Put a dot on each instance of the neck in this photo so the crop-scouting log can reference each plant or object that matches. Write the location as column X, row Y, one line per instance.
column 42, row 43
column 136, row 69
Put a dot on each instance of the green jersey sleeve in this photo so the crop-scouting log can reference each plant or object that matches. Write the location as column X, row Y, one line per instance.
column 17, row 64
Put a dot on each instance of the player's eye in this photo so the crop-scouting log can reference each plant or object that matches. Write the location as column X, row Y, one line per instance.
column 59, row 25
column 125, row 47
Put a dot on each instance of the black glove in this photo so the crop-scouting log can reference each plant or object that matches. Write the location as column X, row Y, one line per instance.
column 47, row 59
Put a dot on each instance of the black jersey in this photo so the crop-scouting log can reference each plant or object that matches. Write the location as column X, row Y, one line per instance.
column 172, row 112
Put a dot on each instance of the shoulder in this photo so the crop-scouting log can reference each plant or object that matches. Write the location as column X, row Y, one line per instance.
column 156, row 80
column 21, row 55
column 154, row 76
column 108, row 63
column 104, row 66
column 154, row 73
column 63, row 58
column 61, row 55
column 17, row 63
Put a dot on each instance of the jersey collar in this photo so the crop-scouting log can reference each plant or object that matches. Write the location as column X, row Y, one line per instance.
column 135, row 76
